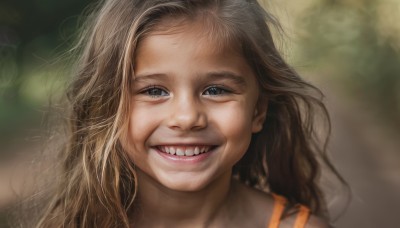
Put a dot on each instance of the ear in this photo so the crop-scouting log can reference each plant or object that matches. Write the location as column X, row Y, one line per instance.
column 259, row 115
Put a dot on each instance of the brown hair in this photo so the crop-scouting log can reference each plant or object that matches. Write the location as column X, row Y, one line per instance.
column 97, row 186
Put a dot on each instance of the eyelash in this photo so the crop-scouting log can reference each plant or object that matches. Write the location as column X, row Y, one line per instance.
column 217, row 90
column 221, row 90
column 152, row 89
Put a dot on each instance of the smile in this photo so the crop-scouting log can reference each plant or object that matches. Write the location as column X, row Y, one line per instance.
column 185, row 150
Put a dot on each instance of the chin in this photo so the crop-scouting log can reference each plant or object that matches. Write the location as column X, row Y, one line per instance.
column 184, row 185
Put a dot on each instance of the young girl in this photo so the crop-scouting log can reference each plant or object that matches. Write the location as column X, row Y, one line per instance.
column 184, row 114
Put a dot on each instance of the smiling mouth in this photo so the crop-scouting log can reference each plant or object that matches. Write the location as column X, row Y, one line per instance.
column 185, row 150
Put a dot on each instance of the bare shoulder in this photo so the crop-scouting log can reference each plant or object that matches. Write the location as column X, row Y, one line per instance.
column 255, row 197
column 255, row 204
column 312, row 222
column 259, row 206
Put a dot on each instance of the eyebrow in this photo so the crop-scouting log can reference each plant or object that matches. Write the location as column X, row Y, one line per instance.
column 227, row 75
column 213, row 75
column 144, row 77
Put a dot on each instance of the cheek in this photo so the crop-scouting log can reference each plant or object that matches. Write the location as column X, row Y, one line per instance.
column 236, row 116
column 234, row 122
column 141, row 125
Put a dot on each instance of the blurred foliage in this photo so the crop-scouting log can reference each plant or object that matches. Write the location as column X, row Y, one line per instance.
column 358, row 43
column 32, row 33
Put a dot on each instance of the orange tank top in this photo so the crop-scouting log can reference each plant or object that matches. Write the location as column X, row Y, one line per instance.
column 279, row 207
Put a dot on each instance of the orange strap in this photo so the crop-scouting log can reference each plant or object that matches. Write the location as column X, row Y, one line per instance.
column 302, row 217
column 279, row 207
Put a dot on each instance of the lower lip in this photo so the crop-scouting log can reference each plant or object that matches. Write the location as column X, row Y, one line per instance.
column 186, row 159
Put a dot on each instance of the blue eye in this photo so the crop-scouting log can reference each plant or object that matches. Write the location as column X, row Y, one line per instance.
column 155, row 92
column 215, row 91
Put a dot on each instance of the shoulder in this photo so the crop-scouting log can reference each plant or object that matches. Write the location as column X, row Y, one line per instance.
column 312, row 221
column 259, row 205
column 255, row 198
column 254, row 204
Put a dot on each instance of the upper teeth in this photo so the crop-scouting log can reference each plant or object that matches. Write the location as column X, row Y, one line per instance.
column 185, row 150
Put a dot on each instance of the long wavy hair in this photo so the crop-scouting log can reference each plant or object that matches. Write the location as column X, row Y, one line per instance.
column 97, row 184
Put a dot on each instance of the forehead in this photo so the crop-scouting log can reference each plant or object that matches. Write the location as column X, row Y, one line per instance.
column 191, row 45
column 207, row 34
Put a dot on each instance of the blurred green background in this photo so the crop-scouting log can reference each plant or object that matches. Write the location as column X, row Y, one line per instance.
column 32, row 35
column 350, row 48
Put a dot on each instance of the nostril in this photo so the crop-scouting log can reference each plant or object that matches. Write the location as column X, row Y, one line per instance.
column 188, row 120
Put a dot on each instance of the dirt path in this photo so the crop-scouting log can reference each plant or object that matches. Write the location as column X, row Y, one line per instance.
column 368, row 157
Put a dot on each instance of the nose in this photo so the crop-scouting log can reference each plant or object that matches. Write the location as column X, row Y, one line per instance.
column 187, row 115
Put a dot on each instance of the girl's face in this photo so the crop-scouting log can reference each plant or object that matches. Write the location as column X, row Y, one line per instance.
column 193, row 108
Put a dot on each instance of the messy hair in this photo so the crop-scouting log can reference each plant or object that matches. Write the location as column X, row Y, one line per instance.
column 97, row 185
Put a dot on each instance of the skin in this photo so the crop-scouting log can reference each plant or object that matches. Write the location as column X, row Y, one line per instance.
column 189, row 91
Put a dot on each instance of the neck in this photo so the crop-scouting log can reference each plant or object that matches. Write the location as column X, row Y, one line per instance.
column 166, row 207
